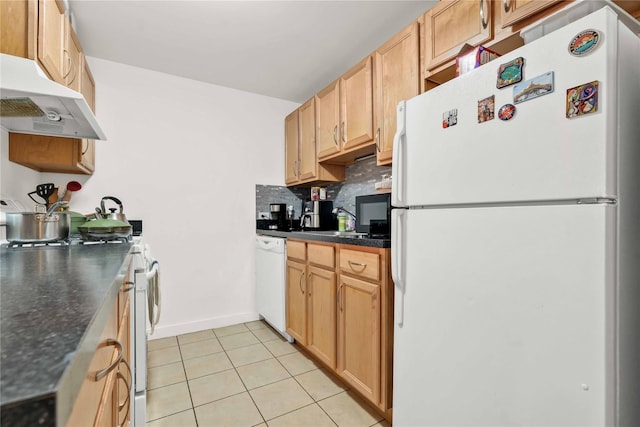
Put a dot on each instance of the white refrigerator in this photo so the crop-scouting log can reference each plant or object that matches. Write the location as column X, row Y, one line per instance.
column 515, row 244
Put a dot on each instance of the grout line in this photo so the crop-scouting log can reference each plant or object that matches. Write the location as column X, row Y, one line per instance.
column 188, row 386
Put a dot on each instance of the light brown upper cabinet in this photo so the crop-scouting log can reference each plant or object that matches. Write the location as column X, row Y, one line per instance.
column 356, row 105
column 451, row 24
column 51, row 38
column 39, row 30
column 328, row 120
column 301, row 161
column 516, row 10
column 307, row 145
column 344, row 119
column 72, row 56
column 397, row 77
column 291, row 139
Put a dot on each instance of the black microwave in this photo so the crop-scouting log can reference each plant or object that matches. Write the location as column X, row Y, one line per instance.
column 373, row 215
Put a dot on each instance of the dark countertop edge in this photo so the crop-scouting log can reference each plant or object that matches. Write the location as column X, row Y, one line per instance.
column 65, row 394
column 74, row 375
column 372, row 243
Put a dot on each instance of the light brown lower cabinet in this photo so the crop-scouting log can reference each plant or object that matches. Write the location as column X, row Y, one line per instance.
column 104, row 398
column 359, row 336
column 340, row 310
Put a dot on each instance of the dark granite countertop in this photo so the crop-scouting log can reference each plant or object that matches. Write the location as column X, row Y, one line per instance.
column 54, row 303
column 310, row 235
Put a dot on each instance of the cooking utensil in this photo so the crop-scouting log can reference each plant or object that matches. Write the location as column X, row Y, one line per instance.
column 104, row 229
column 71, row 187
column 44, row 191
column 112, row 214
column 38, row 227
column 53, row 197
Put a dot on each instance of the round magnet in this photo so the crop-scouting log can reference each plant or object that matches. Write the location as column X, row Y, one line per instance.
column 584, row 42
column 506, row 112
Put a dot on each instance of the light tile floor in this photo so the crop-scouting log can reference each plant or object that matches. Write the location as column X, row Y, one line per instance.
column 245, row 375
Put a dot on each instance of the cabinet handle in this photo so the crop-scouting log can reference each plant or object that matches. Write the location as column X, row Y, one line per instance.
column 482, row 20
column 295, row 168
column 130, row 286
column 505, row 3
column 338, row 299
column 104, row 372
column 378, row 140
column 125, row 403
column 342, row 132
column 357, row 264
column 75, row 71
column 300, row 282
column 335, row 134
column 65, row 53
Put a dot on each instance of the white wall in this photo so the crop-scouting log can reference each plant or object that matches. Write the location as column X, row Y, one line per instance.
column 184, row 157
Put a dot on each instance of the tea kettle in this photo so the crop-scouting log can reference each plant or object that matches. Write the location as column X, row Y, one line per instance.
column 112, row 214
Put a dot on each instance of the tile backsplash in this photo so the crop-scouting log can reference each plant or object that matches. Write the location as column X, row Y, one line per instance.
column 360, row 179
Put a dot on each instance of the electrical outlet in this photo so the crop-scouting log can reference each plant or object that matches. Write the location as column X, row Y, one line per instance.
column 263, row 215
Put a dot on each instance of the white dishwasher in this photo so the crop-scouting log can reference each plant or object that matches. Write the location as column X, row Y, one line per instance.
column 271, row 259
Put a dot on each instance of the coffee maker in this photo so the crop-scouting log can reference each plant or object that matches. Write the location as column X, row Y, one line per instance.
column 278, row 216
column 318, row 215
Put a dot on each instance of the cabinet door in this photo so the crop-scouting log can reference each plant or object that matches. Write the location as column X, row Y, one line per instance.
column 356, row 105
column 72, row 55
column 359, row 336
column 307, row 143
column 297, row 301
column 51, row 22
column 88, row 90
column 517, row 10
column 327, row 119
column 291, row 138
column 321, row 315
column 453, row 23
column 396, row 78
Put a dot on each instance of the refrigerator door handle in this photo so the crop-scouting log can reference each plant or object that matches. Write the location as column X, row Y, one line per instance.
column 398, row 219
column 397, row 168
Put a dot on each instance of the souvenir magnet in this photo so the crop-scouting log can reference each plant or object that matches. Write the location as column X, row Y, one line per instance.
column 510, row 73
column 506, row 112
column 584, row 42
column 533, row 88
column 450, row 118
column 486, row 108
column 582, row 99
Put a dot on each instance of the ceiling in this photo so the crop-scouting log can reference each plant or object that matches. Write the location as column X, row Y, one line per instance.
column 283, row 49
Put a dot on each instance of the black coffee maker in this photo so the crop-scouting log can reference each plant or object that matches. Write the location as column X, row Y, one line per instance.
column 278, row 216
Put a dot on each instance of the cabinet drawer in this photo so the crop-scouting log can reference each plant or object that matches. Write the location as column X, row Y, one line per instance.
column 296, row 250
column 322, row 255
column 86, row 406
column 361, row 264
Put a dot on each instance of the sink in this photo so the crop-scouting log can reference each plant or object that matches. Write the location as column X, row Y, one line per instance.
column 349, row 234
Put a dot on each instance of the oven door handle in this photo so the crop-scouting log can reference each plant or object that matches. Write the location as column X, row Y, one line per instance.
column 153, row 277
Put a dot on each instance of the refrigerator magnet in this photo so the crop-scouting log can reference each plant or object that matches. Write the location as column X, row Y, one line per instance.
column 533, row 88
column 506, row 112
column 510, row 73
column 584, row 42
column 582, row 99
column 450, row 118
column 486, row 108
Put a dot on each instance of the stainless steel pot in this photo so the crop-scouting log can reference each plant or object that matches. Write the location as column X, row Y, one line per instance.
column 38, row 227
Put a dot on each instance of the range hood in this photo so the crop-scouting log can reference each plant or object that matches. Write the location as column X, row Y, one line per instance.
column 31, row 103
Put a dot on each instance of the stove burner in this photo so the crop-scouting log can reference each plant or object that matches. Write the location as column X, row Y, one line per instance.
column 99, row 242
column 37, row 244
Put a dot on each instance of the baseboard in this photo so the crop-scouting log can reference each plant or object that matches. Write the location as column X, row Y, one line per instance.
column 200, row 325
